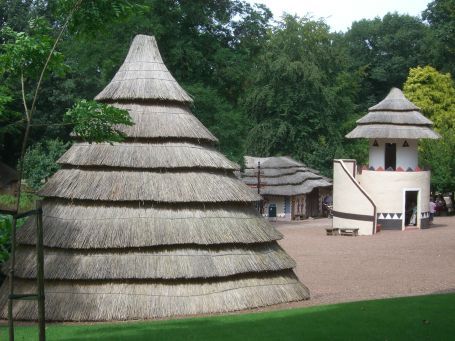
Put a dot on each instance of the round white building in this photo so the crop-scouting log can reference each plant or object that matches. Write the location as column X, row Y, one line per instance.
column 392, row 187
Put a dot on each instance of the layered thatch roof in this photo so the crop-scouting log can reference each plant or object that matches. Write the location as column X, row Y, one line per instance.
column 282, row 176
column 394, row 117
column 154, row 226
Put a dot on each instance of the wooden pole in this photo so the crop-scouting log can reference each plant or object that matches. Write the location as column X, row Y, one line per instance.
column 11, row 280
column 40, row 271
column 259, row 177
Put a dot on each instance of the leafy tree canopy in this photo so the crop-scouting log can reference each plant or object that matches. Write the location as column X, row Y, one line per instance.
column 40, row 161
column 434, row 93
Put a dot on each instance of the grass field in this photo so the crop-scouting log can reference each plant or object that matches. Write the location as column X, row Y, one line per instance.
column 410, row 318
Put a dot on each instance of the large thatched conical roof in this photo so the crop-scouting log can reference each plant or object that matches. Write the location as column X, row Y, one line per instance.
column 154, row 226
column 394, row 117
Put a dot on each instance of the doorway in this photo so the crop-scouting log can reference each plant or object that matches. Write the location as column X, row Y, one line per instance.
column 390, row 157
column 411, row 208
column 312, row 203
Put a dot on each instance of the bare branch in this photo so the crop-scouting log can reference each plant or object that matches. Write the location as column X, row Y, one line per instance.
column 23, row 97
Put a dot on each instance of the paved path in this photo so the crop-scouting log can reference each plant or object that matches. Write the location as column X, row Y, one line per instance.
column 388, row 264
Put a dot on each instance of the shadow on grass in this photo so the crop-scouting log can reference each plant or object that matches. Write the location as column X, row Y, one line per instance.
column 410, row 318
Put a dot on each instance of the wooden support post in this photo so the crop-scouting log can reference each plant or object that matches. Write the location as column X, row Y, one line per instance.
column 40, row 271
column 11, row 280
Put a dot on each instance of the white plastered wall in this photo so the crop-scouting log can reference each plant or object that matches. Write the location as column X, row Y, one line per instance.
column 406, row 156
column 387, row 188
column 348, row 198
column 278, row 201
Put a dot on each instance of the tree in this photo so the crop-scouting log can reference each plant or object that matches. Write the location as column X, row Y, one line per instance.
column 434, row 93
column 40, row 161
column 384, row 49
column 440, row 14
column 300, row 94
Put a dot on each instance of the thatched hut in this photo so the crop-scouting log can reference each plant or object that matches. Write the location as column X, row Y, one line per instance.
column 155, row 226
column 392, row 188
column 8, row 179
column 289, row 188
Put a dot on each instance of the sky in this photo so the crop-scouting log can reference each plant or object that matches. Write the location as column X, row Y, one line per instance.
column 340, row 14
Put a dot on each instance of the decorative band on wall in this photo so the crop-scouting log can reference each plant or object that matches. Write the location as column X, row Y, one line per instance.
column 389, row 216
column 353, row 216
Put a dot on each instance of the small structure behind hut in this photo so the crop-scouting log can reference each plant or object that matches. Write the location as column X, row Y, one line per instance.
column 289, row 188
column 8, row 179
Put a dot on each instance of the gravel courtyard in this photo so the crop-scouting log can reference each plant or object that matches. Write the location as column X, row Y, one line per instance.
column 388, row 264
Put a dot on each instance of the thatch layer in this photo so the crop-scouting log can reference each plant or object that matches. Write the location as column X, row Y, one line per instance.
column 287, row 190
column 154, row 263
column 389, row 131
column 143, row 75
column 83, row 226
column 288, row 179
column 163, row 122
column 388, row 117
column 146, row 155
column 272, row 162
column 147, row 186
column 103, row 301
column 394, row 101
column 274, row 172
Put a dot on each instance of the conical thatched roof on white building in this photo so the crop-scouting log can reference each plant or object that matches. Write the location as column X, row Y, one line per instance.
column 395, row 117
column 282, row 175
column 154, row 226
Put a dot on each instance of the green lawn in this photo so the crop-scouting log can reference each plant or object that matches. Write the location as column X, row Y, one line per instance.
column 411, row 318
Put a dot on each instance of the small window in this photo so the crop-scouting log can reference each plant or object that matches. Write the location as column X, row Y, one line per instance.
column 390, row 156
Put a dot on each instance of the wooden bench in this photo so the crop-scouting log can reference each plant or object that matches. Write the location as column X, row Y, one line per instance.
column 349, row 232
column 332, row 231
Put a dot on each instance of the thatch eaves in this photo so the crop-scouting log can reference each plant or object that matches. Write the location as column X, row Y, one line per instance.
column 143, row 76
column 388, row 131
column 102, row 301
